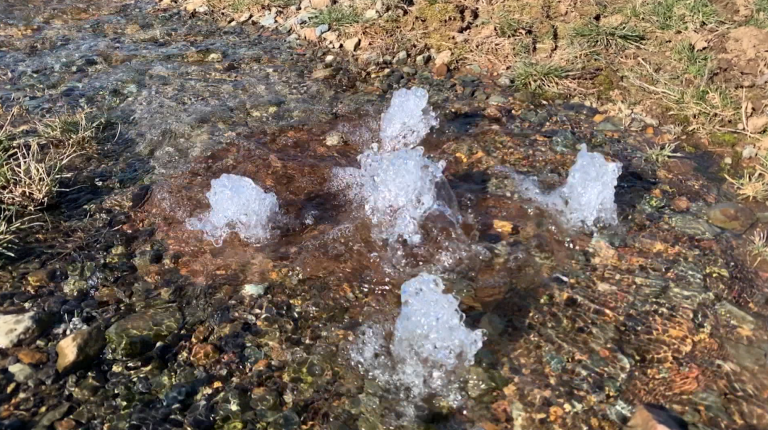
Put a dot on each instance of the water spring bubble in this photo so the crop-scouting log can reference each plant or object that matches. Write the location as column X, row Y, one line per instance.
column 407, row 120
column 430, row 346
column 586, row 200
column 396, row 189
column 237, row 205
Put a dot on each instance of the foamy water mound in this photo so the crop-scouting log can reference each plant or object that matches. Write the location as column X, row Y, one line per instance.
column 237, row 205
column 396, row 189
column 407, row 120
column 430, row 347
column 586, row 200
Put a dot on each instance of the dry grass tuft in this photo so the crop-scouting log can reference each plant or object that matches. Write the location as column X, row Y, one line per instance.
column 751, row 186
column 32, row 159
column 10, row 227
column 759, row 247
column 661, row 154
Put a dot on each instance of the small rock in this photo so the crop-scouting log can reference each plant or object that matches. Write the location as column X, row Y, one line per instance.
column 214, row 57
column 492, row 324
column 757, row 124
column 497, row 100
column 137, row 334
column 731, row 216
column 330, row 59
column 331, row 36
column 474, row 68
column 371, row 14
column 79, row 349
column 257, row 290
column 440, row 71
column 443, row 58
column 681, row 204
column 748, row 152
column 653, row 417
column 39, row 278
column 309, row 34
column 30, row 356
column 325, row 73
column 52, row 416
column 65, row 424
column 292, row 38
column 693, row 226
column 492, row 112
column 351, row 45
column 610, row 124
column 400, row 58
column 334, row 138
column 21, row 372
column 268, row 20
column 321, row 29
column 423, row 59
column 727, row 160
column 320, row 4
column 16, row 328
column 504, row 82
column 192, row 5
column 203, row 354
column 409, row 71
column 244, row 17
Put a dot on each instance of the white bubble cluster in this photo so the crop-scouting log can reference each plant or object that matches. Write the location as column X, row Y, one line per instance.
column 586, row 200
column 430, row 345
column 237, row 205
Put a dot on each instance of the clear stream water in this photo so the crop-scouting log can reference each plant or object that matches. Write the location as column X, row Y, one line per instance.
column 317, row 323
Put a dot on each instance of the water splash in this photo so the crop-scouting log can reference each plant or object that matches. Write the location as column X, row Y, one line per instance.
column 430, row 346
column 587, row 198
column 237, row 205
column 396, row 189
column 407, row 120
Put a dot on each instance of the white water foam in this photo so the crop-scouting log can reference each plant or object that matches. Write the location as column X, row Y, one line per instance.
column 430, row 347
column 586, row 200
column 407, row 120
column 237, row 205
column 396, row 189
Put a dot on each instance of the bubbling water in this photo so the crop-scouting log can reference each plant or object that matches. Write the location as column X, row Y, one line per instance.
column 396, row 189
column 407, row 120
column 430, row 346
column 396, row 185
column 586, row 200
column 237, row 205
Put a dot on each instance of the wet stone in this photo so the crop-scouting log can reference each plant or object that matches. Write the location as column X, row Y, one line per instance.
column 65, row 424
column 137, row 334
column 21, row 372
column 52, row 416
column 17, row 328
column 30, row 356
column 731, row 216
column 693, row 226
column 203, row 354
column 79, row 349
column 681, row 204
column 653, row 417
